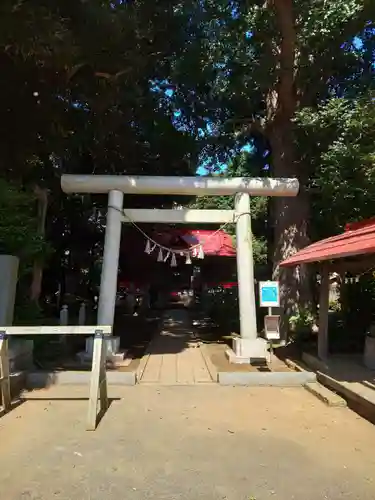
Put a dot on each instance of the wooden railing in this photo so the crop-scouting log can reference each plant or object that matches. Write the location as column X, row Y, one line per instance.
column 98, row 379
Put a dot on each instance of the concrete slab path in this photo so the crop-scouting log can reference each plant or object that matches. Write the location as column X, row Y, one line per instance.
column 346, row 375
column 174, row 356
column 187, row 443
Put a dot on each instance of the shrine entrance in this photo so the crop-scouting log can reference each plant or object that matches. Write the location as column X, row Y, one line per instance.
column 248, row 345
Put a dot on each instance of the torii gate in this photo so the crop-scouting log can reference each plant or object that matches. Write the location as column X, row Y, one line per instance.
column 247, row 346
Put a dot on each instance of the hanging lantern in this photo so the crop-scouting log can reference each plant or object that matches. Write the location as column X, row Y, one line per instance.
column 148, row 247
column 167, row 256
column 153, row 247
column 173, row 260
column 188, row 259
column 201, row 253
column 160, row 255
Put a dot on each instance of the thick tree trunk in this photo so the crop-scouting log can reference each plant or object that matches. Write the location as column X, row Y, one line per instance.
column 36, row 284
column 290, row 216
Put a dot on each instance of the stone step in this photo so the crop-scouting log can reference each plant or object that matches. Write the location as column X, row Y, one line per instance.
column 325, row 395
column 369, row 384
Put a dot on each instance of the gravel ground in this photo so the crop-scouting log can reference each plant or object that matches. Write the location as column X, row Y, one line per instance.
column 184, row 442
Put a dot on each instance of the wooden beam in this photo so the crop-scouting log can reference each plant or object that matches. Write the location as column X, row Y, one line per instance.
column 361, row 264
column 56, row 330
column 176, row 216
column 323, row 313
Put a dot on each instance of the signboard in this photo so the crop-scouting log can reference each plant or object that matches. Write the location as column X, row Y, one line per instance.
column 269, row 294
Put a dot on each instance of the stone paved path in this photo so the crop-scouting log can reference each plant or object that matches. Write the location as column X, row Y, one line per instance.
column 174, row 356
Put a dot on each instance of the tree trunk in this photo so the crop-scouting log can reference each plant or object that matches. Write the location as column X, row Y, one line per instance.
column 36, row 284
column 290, row 216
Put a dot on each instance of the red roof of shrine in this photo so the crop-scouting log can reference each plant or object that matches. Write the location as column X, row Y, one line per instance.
column 357, row 239
column 217, row 243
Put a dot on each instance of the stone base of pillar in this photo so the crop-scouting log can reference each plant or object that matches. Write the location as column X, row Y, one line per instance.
column 247, row 351
column 113, row 352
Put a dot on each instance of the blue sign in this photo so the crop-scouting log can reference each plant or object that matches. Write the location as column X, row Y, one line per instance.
column 269, row 294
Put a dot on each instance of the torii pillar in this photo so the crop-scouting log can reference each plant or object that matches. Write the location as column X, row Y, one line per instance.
column 245, row 275
column 248, row 345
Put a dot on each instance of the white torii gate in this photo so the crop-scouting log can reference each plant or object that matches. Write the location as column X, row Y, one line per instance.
column 116, row 185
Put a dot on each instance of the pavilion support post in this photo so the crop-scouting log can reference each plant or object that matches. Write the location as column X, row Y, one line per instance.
column 248, row 346
column 112, row 240
column 323, row 313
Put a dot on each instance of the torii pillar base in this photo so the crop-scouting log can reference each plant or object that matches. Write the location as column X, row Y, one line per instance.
column 248, row 351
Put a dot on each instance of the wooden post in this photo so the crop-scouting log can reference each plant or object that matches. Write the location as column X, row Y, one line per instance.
column 323, row 313
column 103, row 389
column 4, row 373
column 98, row 382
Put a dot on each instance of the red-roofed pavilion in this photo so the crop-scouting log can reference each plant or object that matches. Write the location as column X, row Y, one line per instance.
column 351, row 251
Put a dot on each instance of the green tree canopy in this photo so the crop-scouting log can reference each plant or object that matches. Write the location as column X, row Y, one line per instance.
column 267, row 62
column 343, row 160
column 156, row 87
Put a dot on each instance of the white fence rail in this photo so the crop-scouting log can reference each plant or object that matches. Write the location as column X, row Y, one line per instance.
column 98, row 379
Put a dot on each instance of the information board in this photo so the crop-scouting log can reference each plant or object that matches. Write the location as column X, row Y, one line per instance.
column 269, row 294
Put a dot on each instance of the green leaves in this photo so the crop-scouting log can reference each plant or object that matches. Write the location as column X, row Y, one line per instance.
column 339, row 146
column 18, row 225
column 243, row 164
column 149, row 87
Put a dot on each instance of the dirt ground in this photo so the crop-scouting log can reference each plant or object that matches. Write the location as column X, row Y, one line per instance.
column 185, row 443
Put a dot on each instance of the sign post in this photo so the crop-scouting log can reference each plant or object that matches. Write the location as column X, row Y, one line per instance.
column 269, row 296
